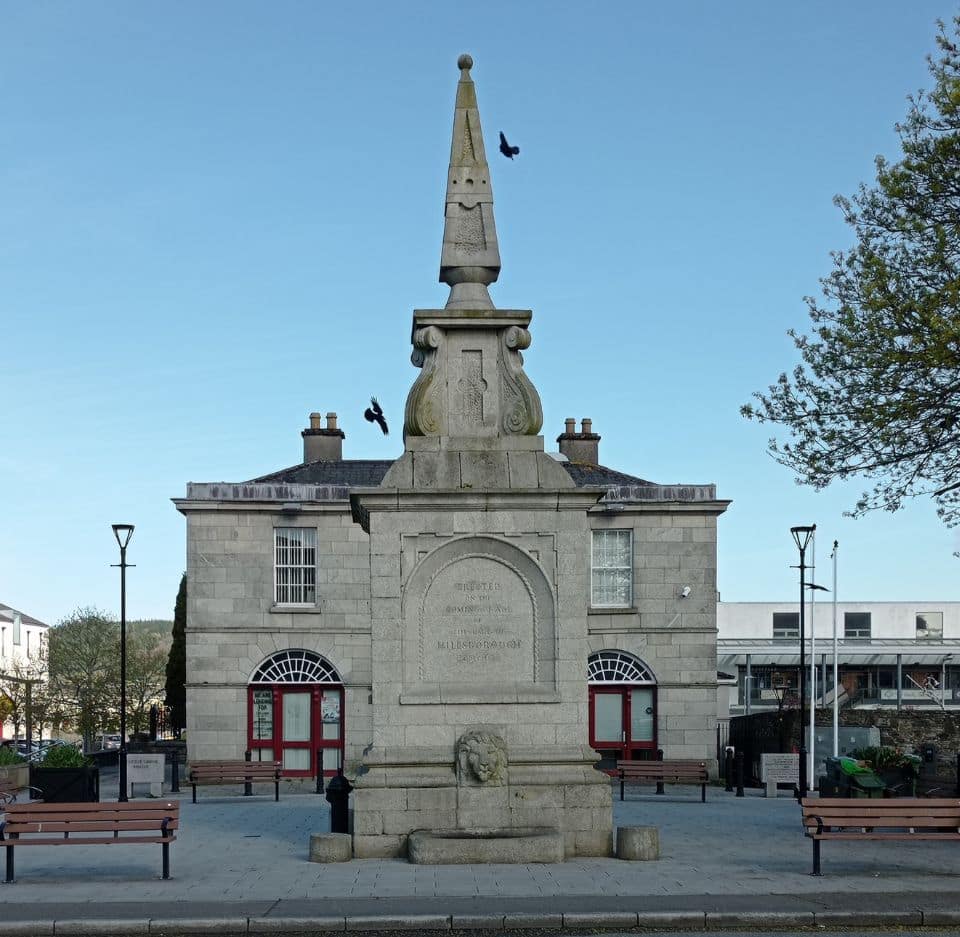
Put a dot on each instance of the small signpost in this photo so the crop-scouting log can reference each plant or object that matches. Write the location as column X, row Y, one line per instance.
column 777, row 769
column 145, row 770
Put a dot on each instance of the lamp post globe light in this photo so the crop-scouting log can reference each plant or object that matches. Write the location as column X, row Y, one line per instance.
column 801, row 536
column 123, row 533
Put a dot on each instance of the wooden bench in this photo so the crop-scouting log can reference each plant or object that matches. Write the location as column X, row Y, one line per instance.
column 896, row 818
column 89, row 824
column 225, row 772
column 673, row 771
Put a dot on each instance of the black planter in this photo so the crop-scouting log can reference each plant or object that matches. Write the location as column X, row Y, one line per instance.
column 67, row 785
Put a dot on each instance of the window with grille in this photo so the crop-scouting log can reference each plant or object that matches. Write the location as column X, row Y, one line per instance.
column 295, row 565
column 612, row 569
column 786, row 625
column 856, row 625
column 929, row 626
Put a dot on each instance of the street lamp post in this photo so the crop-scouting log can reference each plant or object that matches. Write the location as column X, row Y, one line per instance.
column 801, row 536
column 123, row 533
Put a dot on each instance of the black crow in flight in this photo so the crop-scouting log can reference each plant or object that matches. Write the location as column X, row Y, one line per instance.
column 373, row 414
column 506, row 149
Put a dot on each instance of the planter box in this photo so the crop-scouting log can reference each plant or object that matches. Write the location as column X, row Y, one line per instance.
column 14, row 777
column 67, row 785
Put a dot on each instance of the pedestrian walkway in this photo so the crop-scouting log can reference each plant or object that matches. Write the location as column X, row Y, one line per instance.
column 243, row 860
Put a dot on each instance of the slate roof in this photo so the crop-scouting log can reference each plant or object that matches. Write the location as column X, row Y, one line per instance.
column 7, row 614
column 368, row 473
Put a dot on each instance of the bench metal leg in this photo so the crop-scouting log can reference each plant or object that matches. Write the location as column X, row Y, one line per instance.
column 703, row 793
column 166, row 860
column 816, row 857
column 9, row 878
column 621, row 787
column 194, row 793
column 276, row 792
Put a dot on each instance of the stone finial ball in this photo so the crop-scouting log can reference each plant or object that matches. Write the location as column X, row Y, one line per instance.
column 465, row 61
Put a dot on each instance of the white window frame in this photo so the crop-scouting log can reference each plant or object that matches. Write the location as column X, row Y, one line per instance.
column 926, row 633
column 594, row 568
column 300, row 589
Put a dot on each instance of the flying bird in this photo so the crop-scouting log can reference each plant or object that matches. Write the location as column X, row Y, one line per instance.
column 506, row 149
column 373, row 414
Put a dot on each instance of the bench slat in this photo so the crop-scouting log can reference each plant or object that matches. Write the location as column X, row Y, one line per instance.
column 124, row 823
column 902, row 818
column 233, row 771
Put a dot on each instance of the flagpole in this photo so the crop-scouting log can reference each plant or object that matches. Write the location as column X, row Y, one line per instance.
column 836, row 688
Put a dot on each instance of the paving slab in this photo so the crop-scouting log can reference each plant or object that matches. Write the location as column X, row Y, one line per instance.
column 241, row 865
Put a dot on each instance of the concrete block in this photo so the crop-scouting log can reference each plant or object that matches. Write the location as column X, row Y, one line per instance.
column 491, row 922
column 330, row 847
column 638, row 843
column 671, row 920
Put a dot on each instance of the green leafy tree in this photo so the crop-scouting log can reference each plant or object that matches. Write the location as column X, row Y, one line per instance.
column 33, row 668
column 176, row 686
column 146, row 663
column 877, row 394
column 84, row 661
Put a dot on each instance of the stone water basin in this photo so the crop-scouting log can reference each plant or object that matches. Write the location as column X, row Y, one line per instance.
column 461, row 847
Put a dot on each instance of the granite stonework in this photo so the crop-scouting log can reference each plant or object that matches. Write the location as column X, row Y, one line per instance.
column 453, row 584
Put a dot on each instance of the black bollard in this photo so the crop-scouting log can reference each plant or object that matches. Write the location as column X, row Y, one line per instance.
column 319, row 770
column 728, row 771
column 739, row 769
column 174, row 772
column 660, row 783
column 338, row 796
column 247, row 785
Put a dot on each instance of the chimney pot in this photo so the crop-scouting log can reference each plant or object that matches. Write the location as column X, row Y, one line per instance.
column 323, row 445
column 583, row 447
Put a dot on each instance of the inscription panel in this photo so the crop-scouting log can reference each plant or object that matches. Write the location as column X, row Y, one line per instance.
column 478, row 624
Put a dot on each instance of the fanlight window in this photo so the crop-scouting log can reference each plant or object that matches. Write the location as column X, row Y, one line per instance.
column 295, row 667
column 617, row 667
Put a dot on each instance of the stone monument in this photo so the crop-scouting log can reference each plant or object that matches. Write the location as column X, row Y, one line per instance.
column 479, row 558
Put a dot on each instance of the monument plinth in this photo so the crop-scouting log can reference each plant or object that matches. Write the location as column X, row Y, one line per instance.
column 479, row 630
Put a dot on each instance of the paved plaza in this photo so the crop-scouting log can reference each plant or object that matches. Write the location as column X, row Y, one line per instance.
column 240, row 865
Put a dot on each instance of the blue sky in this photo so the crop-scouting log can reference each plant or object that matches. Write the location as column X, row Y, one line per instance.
column 218, row 217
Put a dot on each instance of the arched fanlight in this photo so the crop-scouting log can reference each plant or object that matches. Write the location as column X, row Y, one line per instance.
column 295, row 666
column 617, row 667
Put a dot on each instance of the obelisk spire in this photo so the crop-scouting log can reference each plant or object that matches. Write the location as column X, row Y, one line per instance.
column 470, row 258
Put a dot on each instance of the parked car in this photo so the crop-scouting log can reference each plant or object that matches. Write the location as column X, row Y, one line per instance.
column 106, row 742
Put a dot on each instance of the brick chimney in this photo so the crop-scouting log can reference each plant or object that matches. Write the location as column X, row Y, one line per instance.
column 323, row 445
column 580, row 447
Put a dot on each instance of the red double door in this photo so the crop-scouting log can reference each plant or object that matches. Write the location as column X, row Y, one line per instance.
column 298, row 725
column 623, row 723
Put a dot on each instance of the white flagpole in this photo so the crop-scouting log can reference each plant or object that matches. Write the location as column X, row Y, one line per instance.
column 813, row 660
column 836, row 687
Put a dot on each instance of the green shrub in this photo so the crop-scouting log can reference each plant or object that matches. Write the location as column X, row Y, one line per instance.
column 64, row 756
column 10, row 756
column 882, row 758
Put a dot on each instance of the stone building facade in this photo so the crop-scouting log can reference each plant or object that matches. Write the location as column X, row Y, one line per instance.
column 377, row 613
